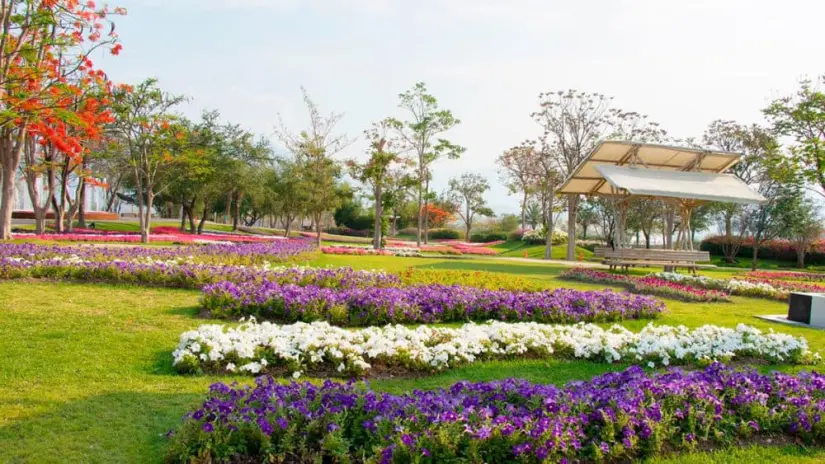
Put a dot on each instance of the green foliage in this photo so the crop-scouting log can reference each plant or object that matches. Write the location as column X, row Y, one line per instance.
column 509, row 222
column 440, row 234
column 802, row 116
column 489, row 236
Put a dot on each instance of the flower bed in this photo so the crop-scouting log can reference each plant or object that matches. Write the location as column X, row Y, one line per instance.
column 369, row 251
column 615, row 417
column 187, row 274
column 320, row 348
column 239, row 254
column 479, row 279
column 474, row 250
column 159, row 234
column 426, row 303
column 649, row 285
column 753, row 287
column 787, row 275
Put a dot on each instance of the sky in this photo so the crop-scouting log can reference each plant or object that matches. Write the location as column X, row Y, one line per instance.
column 682, row 63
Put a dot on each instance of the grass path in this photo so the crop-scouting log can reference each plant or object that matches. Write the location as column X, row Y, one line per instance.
column 86, row 372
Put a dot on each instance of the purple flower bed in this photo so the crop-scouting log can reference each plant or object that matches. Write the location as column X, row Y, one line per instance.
column 188, row 275
column 242, row 253
column 425, row 303
column 615, row 417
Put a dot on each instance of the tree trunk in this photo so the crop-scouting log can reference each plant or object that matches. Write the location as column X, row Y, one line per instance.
column 755, row 255
column 236, row 212
column 668, row 236
column 11, row 153
column 182, row 227
column 427, row 211
column 202, row 222
column 81, row 199
column 317, row 220
column 572, row 211
column 584, row 231
column 147, row 223
column 647, row 239
column 420, row 216
column 800, row 259
column 524, row 211
column 191, row 214
column 376, row 233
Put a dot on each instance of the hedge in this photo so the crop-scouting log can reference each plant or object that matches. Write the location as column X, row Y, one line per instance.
column 781, row 250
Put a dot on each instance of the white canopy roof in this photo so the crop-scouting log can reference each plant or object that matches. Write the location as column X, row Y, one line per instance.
column 679, row 184
column 586, row 179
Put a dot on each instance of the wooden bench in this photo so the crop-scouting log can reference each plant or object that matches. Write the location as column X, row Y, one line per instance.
column 625, row 258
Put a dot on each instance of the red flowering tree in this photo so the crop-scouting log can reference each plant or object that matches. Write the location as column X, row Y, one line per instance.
column 45, row 74
column 437, row 217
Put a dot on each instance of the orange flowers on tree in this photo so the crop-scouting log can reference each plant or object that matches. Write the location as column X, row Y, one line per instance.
column 46, row 81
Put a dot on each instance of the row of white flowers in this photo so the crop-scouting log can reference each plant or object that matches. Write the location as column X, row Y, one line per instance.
column 734, row 286
column 253, row 347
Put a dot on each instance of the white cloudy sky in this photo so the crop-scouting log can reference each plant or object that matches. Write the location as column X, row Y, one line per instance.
column 684, row 63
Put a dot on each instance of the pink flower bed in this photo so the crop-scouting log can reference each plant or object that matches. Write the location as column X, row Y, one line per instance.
column 333, row 250
column 474, row 250
column 648, row 285
column 788, row 285
column 787, row 275
column 162, row 234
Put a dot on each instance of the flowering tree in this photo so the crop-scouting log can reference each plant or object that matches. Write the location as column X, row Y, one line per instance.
column 153, row 142
column 44, row 73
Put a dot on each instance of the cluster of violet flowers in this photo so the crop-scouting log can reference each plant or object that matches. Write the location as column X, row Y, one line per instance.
column 648, row 285
column 614, row 417
column 223, row 253
column 424, row 303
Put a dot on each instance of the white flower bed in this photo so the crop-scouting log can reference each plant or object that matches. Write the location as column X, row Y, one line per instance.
column 255, row 348
column 735, row 287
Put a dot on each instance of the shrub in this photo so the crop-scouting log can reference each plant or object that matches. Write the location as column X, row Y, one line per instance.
column 538, row 237
column 347, row 232
column 443, row 234
column 488, row 236
column 780, row 250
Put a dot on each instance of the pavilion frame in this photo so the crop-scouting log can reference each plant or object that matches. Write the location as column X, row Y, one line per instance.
column 682, row 159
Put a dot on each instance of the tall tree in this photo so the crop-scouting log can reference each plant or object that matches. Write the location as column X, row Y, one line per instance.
column 516, row 168
column 44, row 56
column 467, row 192
column 756, row 145
column 153, row 139
column 546, row 180
column 314, row 149
column 377, row 172
column 420, row 135
column 573, row 123
column 802, row 116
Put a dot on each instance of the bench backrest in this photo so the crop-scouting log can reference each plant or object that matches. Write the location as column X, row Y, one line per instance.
column 652, row 254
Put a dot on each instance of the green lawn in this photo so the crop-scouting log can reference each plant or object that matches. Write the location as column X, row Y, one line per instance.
column 86, row 372
column 516, row 249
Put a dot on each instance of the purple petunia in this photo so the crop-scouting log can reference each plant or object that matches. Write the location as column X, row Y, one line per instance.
column 469, row 420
